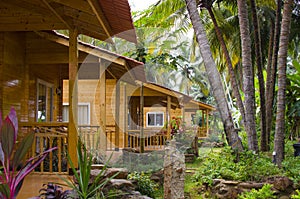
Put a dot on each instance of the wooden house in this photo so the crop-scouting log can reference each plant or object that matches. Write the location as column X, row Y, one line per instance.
column 61, row 87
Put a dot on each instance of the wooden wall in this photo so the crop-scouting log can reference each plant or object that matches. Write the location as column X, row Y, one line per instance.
column 19, row 78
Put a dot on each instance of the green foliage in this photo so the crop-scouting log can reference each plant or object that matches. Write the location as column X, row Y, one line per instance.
column 296, row 195
column 54, row 191
column 264, row 193
column 81, row 181
column 224, row 165
column 12, row 155
column 144, row 184
column 291, row 166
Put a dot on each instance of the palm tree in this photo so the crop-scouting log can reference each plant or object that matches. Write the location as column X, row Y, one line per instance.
column 213, row 76
column 271, row 73
column 248, row 76
column 282, row 62
column 259, row 64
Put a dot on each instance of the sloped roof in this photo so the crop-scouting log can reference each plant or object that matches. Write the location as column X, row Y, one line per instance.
column 100, row 19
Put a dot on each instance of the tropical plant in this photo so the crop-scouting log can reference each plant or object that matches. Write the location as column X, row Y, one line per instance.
column 264, row 193
column 52, row 191
column 144, row 184
column 81, row 183
column 15, row 169
column 296, row 195
column 213, row 76
column 282, row 64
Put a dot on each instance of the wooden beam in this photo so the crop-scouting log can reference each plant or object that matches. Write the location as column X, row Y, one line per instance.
column 88, row 49
column 102, row 98
column 56, row 14
column 207, row 124
column 117, row 116
column 168, row 114
column 125, row 127
column 101, row 18
column 73, row 97
column 142, row 138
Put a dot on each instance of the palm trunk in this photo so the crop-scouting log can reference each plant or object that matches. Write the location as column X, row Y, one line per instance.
column 248, row 76
column 272, row 78
column 235, row 86
column 214, row 77
column 269, row 112
column 282, row 61
column 260, row 76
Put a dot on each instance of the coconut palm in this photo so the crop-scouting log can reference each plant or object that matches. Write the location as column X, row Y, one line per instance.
column 248, row 76
column 282, row 63
column 213, row 76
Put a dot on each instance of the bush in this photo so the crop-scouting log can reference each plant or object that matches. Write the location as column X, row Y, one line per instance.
column 224, row 165
column 264, row 193
column 291, row 167
column 296, row 195
column 144, row 184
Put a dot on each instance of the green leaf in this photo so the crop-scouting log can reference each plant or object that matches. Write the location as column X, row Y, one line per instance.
column 22, row 149
column 7, row 137
column 4, row 191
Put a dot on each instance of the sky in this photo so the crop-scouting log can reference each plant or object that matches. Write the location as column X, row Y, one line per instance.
column 138, row 5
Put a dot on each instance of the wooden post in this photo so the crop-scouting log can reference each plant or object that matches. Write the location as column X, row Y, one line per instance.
column 117, row 117
column 102, row 97
column 142, row 139
column 125, row 116
column 183, row 114
column 207, row 127
column 168, row 113
column 73, row 96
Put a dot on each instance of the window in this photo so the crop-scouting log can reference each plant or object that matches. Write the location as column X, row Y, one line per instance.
column 155, row 119
column 83, row 113
column 44, row 101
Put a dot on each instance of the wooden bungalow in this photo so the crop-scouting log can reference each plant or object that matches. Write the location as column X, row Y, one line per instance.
column 61, row 87
column 32, row 65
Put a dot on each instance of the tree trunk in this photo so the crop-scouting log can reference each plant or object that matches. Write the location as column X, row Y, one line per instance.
column 282, row 61
column 272, row 78
column 258, row 56
column 248, row 76
column 269, row 112
column 235, row 86
column 214, row 77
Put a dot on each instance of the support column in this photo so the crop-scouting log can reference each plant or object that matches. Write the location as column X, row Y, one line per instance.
column 73, row 96
column 102, row 97
column 168, row 114
column 207, row 125
column 125, row 116
column 117, row 117
column 142, row 138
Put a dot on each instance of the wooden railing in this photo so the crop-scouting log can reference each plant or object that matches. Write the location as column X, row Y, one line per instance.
column 48, row 135
column 202, row 132
column 152, row 140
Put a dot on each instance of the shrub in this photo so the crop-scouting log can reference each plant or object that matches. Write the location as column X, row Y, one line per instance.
column 224, row 165
column 144, row 184
column 264, row 193
column 12, row 156
column 291, row 167
column 296, row 195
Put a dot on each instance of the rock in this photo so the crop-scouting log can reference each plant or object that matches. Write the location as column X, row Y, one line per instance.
column 281, row 183
column 251, row 185
column 158, row 177
column 121, row 173
column 121, row 184
column 229, row 182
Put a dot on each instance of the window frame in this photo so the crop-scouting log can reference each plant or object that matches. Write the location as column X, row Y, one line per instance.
column 155, row 122
column 88, row 112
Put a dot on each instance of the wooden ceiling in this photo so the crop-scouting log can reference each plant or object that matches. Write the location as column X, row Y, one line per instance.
column 52, row 48
column 101, row 19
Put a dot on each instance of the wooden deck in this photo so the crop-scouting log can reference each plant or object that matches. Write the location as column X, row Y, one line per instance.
column 34, row 182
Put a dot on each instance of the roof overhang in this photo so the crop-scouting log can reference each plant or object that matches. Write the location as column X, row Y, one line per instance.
column 101, row 19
